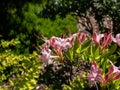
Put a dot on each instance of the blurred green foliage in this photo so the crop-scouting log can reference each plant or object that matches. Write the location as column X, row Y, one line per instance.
column 17, row 71
column 29, row 22
column 77, row 84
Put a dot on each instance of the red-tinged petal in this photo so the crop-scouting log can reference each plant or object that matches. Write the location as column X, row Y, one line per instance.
column 94, row 66
column 107, row 40
column 52, row 40
column 97, row 37
column 116, row 76
column 110, row 70
column 72, row 38
column 115, row 68
column 108, row 76
column 81, row 37
column 113, row 73
column 79, row 34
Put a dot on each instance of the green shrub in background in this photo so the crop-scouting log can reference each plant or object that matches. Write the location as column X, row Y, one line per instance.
column 57, row 27
column 30, row 22
column 17, row 72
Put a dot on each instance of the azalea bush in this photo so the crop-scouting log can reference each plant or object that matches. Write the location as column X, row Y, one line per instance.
column 100, row 51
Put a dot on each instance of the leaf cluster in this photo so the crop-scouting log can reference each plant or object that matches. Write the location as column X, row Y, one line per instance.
column 17, row 71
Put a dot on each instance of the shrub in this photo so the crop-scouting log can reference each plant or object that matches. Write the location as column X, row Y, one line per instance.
column 99, row 51
column 30, row 22
column 17, row 71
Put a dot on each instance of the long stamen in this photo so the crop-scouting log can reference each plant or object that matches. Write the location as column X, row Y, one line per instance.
column 96, row 85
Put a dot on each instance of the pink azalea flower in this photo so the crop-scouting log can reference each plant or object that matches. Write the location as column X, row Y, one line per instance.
column 81, row 37
column 46, row 56
column 46, row 45
column 97, row 38
column 59, row 44
column 95, row 74
column 113, row 73
column 117, row 39
column 107, row 40
column 72, row 38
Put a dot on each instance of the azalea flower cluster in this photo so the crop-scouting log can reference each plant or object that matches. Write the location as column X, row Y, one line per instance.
column 61, row 44
column 95, row 75
column 107, row 39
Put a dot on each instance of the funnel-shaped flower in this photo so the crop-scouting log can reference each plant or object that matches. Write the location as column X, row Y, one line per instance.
column 46, row 45
column 46, row 56
column 95, row 74
column 113, row 73
column 117, row 39
column 107, row 40
column 97, row 38
column 72, row 38
column 60, row 44
column 81, row 37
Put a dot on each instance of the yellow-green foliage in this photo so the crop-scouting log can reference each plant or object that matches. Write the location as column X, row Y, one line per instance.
column 114, row 85
column 5, row 44
column 19, row 71
column 77, row 84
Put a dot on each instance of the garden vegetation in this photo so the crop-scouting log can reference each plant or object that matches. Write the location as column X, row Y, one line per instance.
column 59, row 44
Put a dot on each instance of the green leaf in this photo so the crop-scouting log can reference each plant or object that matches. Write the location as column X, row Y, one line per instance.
column 97, row 57
column 78, row 49
column 76, row 45
column 112, row 49
column 71, row 55
column 85, row 45
column 91, row 51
